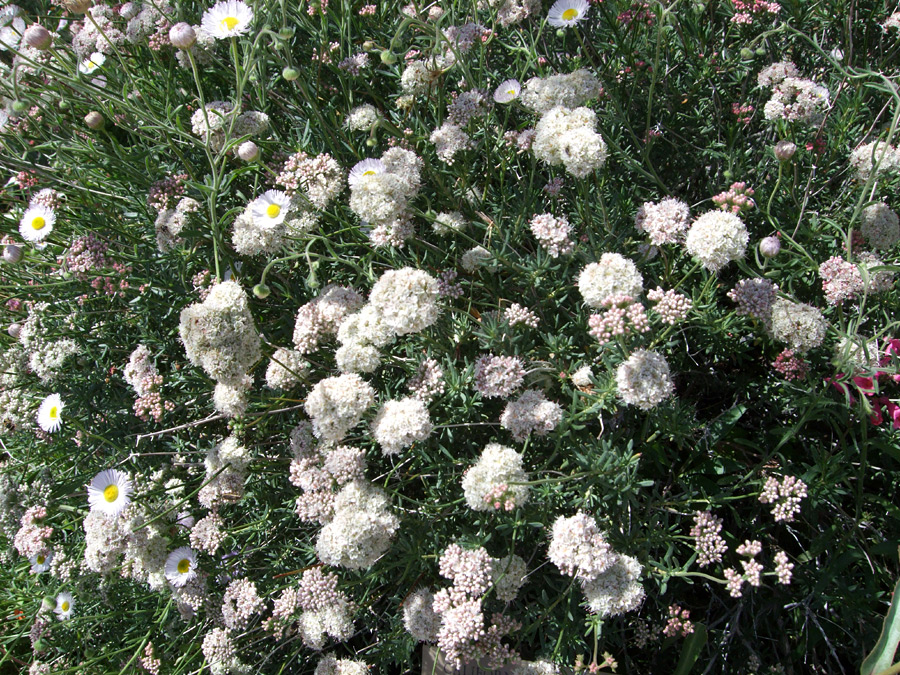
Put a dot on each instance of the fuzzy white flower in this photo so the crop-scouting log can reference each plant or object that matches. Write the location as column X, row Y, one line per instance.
column 614, row 273
column 337, row 404
column 616, row 591
column 880, row 226
column 48, row 416
column 419, row 617
column 488, row 484
column 567, row 91
column 507, row 91
column 407, row 300
column 578, row 547
column 364, row 169
column 644, row 380
column 567, row 12
column 362, row 118
column 110, row 492
column 530, row 412
column 568, row 137
column 181, row 566
column 401, row 423
column 270, row 208
column 226, row 19
column 65, row 603
column 37, row 222
column 716, row 238
column 800, row 325
column 89, row 65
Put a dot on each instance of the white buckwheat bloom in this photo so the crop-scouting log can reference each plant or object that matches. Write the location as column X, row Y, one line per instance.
column 110, row 492
column 407, row 300
column 487, row 484
column 37, row 222
column 616, row 591
column 664, row 222
column 643, row 379
column 226, row 19
column 567, row 91
column 401, row 423
column 716, row 238
column 800, row 325
column 530, row 412
column 568, row 137
column 578, row 547
column 419, row 617
column 613, row 274
column 880, row 226
column 337, row 404
column 181, row 566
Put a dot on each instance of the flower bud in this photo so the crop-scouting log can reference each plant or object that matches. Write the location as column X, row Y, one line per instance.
column 261, row 291
column 37, row 37
column 286, row 33
column 94, row 120
column 248, row 151
column 760, row 51
column 14, row 330
column 388, row 57
column 560, row 33
column 12, row 253
column 371, row 142
column 48, row 604
column 746, row 54
column 18, row 107
column 368, row 45
column 784, row 150
column 769, row 247
column 182, row 35
column 290, row 74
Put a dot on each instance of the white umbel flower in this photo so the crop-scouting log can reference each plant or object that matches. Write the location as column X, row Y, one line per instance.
column 181, row 566
column 226, row 19
column 110, row 492
column 508, row 91
column 48, row 416
column 363, row 169
column 643, row 379
column 91, row 64
column 567, row 12
column 613, row 274
column 65, row 603
column 270, row 208
column 37, row 223
column 716, row 238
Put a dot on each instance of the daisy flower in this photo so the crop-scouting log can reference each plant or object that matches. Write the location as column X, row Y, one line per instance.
column 48, row 414
column 37, row 222
column 367, row 167
column 181, row 566
column 64, row 604
column 270, row 208
column 228, row 18
column 40, row 562
column 507, row 91
column 110, row 492
column 91, row 64
column 567, row 12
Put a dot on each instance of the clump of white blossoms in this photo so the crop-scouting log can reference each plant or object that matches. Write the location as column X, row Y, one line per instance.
column 643, row 379
column 880, row 226
column 170, row 222
column 220, row 117
column 569, row 138
column 311, row 181
column 665, row 222
column 616, row 591
column 406, row 299
column 227, row 465
column 566, row 91
column 510, row 12
column 799, row 325
column 449, row 139
column 362, row 118
column 488, row 484
column 361, row 335
column 531, row 412
column 360, row 531
column 322, row 316
column 613, row 274
column 286, row 367
column 716, row 238
column 878, row 157
column 332, row 666
column 221, row 654
column 381, row 194
column 553, row 234
column 794, row 98
column 219, row 334
column 419, row 617
column 498, row 376
column 337, row 404
column 508, row 574
column 401, row 423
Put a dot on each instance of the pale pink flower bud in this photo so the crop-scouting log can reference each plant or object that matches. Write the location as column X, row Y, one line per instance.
column 769, row 247
column 14, row 330
column 38, row 37
column 182, row 35
column 94, row 120
column 784, row 150
column 248, row 151
column 12, row 253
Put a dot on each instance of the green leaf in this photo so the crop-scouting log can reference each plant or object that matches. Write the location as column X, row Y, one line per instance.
column 882, row 656
column 690, row 650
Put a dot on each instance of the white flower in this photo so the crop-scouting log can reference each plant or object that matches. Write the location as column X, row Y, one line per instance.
column 37, row 223
column 613, row 274
column 567, row 12
column 64, row 604
column 40, row 562
column 508, row 90
column 644, row 380
column 181, row 566
column 228, row 18
column 270, row 208
column 716, row 238
column 48, row 414
column 367, row 167
column 110, row 492
column 91, row 64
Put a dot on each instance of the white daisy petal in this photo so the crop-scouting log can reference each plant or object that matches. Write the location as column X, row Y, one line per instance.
column 227, row 19
column 65, row 603
column 567, row 12
column 110, row 492
column 367, row 167
column 181, row 566
column 270, row 208
column 88, row 66
column 37, row 222
column 507, row 91
column 48, row 415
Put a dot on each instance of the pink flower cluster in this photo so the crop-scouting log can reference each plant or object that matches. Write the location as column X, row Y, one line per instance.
column 747, row 9
column 671, row 306
column 744, row 113
column 736, row 199
column 790, row 365
column 165, row 193
column 784, row 496
column 622, row 316
column 709, row 544
column 679, row 623
column 31, row 539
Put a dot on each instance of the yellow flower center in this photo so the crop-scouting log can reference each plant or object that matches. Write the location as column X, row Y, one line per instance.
column 65, row 606
column 229, row 22
column 273, row 210
column 570, row 14
column 40, row 559
column 184, row 566
column 38, row 223
column 511, row 92
column 111, row 493
column 54, row 413
column 368, row 173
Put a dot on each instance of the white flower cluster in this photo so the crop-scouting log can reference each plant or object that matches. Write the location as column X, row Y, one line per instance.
column 643, row 379
column 613, row 274
column 332, row 666
column 510, row 12
column 610, row 580
column 488, row 484
column 227, row 466
column 170, row 222
column 419, row 617
column 382, row 194
column 221, row 654
column 553, row 234
column 567, row 91
column 664, row 222
column 508, row 574
column 218, row 119
column 337, row 404
column 800, row 325
column 449, row 139
column 880, row 226
column 569, row 138
column 401, row 423
column 240, row 602
column 286, row 367
column 319, row 178
column 716, row 238
column 361, row 530
column 219, row 334
column 878, row 154
column 448, row 223
column 794, row 98
column 45, row 357
column 531, row 412
column 323, row 316
column 98, row 33
column 362, row 118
